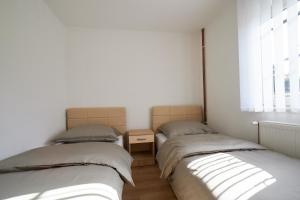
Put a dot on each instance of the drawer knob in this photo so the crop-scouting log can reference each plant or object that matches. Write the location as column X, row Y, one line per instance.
column 141, row 139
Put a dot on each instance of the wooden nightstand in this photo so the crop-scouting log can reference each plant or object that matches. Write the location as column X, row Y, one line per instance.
column 141, row 146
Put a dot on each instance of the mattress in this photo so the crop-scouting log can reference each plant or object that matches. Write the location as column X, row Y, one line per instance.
column 80, row 182
column 91, row 170
column 220, row 167
column 254, row 175
column 160, row 139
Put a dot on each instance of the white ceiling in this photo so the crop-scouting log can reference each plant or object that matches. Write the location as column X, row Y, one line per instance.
column 161, row 15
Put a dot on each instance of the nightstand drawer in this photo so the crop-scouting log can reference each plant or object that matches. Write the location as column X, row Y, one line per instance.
column 141, row 139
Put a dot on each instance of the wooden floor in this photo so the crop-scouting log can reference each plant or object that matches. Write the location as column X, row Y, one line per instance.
column 149, row 186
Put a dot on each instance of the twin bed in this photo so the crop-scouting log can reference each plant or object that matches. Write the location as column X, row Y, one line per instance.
column 211, row 165
column 84, row 169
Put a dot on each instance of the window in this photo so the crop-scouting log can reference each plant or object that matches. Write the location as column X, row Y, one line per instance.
column 269, row 52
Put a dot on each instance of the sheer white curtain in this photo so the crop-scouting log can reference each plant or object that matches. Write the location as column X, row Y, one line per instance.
column 269, row 49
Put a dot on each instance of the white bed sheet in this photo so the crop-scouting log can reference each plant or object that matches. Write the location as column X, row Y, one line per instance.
column 120, row 141
column 160, row 139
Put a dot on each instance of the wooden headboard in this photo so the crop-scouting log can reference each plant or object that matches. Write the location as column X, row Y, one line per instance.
column 110, row 116
column 164, row 114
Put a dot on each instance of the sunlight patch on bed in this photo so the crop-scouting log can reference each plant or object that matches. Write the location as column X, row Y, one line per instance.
column 24, row 197
column 228, row 177
column 84, row 191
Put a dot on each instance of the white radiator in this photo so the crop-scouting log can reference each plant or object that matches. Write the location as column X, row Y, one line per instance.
column 280, row 137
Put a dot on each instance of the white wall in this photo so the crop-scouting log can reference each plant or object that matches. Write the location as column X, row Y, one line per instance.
column 32, row 76
column 135, row 69
column 223, row 80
